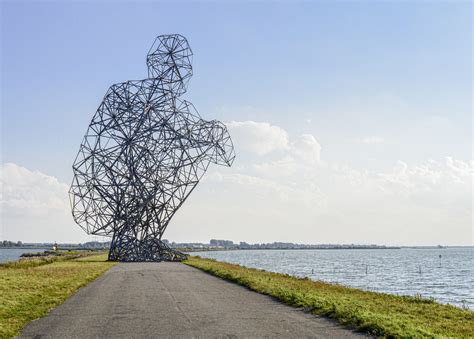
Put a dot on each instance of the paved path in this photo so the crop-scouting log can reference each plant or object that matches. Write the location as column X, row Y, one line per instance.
column 136, row 300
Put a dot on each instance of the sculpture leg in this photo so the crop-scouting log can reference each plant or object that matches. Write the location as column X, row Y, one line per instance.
column 126, row 247
column 117, row 247
column 166, row 253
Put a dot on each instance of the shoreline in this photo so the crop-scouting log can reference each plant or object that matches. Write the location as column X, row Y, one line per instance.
column 375, row 313
column 310, row 247
column 284, row 249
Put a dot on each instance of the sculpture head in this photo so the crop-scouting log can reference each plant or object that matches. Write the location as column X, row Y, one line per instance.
column 169, row 60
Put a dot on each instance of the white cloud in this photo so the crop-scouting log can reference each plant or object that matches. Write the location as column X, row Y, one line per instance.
column 297, row 196
column 430, row 176
column 258, row 137
column 372, row 140
column 34, row 207
column 262, row 138
column 307, row 149
column 284, row 192
column 35, row 192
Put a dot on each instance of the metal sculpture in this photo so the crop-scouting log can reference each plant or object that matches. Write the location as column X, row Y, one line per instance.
column 144, row 152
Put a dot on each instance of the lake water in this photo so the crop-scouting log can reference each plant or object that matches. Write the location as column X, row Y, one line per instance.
column 11, row 254
column 398, row 271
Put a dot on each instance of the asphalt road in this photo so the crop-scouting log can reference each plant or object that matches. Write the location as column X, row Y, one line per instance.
column 138, row 300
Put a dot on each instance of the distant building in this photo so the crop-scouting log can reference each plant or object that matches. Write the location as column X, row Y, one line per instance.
column 222, row 243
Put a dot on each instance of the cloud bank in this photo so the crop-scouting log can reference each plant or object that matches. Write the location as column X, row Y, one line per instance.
column 280, row 189
column 34, row 207
column 372, row 140
column 291, row 194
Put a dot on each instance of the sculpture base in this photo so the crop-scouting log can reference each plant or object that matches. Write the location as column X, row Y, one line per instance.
column 139, row 251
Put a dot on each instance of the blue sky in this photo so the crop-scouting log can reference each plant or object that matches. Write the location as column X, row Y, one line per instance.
column 375, row 83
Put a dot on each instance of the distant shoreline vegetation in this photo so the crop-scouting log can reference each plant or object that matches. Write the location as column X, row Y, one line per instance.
column 215, row 245
column 67, row 246
column 307, row 247
column 229, row 245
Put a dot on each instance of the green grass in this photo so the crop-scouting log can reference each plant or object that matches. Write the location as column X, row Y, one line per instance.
column 30, row 288
column 374, row 313
column 42, row 259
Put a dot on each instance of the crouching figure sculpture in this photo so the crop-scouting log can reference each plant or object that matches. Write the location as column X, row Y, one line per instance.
column 144, row 152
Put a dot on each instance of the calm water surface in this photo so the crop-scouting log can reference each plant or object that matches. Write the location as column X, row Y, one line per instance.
column 11, row 254
column 397, row 271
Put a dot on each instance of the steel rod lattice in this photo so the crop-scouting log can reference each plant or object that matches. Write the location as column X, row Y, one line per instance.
column 144, row 152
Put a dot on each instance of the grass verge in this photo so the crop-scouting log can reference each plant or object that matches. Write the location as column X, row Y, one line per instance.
column 378, row 314
column 30, row 288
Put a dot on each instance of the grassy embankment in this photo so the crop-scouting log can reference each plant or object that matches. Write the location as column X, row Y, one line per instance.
column 375, row 313
column 29, row 288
